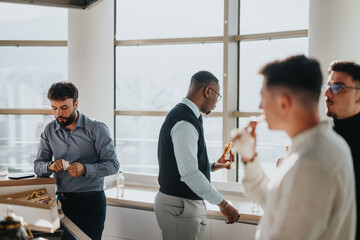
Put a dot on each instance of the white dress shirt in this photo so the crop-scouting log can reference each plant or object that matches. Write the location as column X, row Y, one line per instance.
column 312, row 195
column 185, row 137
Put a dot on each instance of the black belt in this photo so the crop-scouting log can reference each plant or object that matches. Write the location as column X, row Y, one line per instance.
column 77, row 194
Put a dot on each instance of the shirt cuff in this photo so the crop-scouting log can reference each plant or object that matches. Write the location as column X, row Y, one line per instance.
column 216, row 199
column 46, row 168
column 89, row 170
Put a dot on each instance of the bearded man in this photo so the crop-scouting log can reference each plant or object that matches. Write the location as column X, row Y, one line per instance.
column 83, row 153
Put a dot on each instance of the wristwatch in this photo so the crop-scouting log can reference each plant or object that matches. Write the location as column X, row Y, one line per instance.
column 212, row 167
column 48, row 166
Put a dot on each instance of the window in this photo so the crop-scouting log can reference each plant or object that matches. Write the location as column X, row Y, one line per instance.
column 155, row 19
column 34, row 55
column 262, row 16
column 153, row 71
column 268, row 31
column 160, row 45
column 146, row 76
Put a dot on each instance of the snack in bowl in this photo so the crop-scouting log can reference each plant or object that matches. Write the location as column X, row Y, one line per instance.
column 45, row 200
column 36, row 194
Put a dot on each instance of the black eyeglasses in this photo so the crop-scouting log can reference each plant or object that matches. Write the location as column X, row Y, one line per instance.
column 218, row 96
column 336, row 88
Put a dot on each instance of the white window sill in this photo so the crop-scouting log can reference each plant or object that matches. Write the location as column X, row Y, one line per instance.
column 142, row 180
column 143, row 198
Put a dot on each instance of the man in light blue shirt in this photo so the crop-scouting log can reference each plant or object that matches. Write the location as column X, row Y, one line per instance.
column 86, row 145
column 184, row 168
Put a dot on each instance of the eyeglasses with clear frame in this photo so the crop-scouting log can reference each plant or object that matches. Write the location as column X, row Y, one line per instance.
column 336, row 87
column 218, row 96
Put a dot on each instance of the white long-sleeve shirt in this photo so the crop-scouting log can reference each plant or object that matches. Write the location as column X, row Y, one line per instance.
column 312, row 195
column 185, row 137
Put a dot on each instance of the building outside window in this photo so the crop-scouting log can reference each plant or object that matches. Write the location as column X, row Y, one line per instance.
column 33, row 56
column 161, row 44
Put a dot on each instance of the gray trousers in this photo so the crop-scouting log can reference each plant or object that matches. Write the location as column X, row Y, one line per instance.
column 180, row 218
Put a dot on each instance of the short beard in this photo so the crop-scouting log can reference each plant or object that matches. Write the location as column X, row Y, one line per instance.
column 69, row 120
column 331, row 114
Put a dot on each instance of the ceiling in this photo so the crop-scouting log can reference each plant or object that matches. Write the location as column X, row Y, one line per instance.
column 82, row 4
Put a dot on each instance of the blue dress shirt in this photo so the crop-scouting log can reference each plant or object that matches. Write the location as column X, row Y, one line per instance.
column 89, row 143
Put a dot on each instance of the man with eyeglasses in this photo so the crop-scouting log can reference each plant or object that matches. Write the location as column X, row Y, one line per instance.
column 342, row 98
column 184, row 168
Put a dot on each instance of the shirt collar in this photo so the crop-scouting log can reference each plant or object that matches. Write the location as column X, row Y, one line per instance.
column 79, row 123
column 192, row 106
column 306, row 137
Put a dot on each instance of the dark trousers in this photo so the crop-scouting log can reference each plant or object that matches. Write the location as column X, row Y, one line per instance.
column 87, row 212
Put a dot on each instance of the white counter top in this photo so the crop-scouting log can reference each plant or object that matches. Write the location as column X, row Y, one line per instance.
column 143, row 198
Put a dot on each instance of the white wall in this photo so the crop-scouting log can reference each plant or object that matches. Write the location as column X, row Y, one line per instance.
column 334, row 30
column 126, row 223
column 334, row 33
column 91, row 60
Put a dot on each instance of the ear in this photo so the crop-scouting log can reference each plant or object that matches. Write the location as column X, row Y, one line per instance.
column 285, row 102
column 206, row 91
column 76, row 104
column 357, row 98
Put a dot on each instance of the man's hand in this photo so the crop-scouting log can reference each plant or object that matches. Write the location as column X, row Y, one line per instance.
column 250, row 128
column 232, row 215
column 223, row 163
column 57, row 166
column 76, row 170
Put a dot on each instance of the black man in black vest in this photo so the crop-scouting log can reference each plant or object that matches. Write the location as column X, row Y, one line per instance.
column 184, row 168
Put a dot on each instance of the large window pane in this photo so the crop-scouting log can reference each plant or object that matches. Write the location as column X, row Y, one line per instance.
column 143, row 19
column 137, row 142
column 253, row 55
column 19, row 140
column 26, row 22
column 26, row 74
column 213, row 138
column 271, row 146
column 158, row 77
column 259, row 16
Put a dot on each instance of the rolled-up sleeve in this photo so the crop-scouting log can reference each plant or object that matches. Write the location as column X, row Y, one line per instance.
column 43, row 157
column 108, row 163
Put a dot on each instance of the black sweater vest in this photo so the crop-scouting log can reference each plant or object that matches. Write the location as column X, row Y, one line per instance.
column 349, row 129
column 169, row 177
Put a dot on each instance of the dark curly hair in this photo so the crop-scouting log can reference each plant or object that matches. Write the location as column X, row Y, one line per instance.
column 351, row 68
column 62, row 91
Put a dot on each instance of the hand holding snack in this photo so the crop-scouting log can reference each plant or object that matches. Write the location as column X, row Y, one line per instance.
column 76, row 169
column 57, row 166
column 245, row 141
column 225, row 160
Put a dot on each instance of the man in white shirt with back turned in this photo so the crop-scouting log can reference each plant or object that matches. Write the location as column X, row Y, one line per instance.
column 184, row 169
column 312, row 194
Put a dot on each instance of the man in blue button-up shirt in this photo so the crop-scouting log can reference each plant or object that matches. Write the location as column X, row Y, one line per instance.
column 87, row 146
